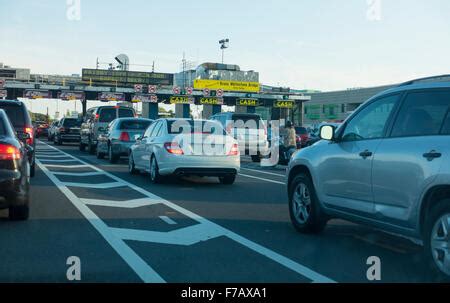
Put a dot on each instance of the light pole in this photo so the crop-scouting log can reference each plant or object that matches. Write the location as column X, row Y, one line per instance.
column 224, row 44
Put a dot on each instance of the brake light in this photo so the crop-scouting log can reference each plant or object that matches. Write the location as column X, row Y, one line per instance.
column 9, row 152
column 97, row 116
column 30, row 132
column 124, row 136
column 173, row 148
column 234, row 151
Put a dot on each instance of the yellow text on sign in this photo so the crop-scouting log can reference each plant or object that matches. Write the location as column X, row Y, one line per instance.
column 181, row 100
column 247, row 102
column 283, row 104
column 211, row 101
column 234, row 86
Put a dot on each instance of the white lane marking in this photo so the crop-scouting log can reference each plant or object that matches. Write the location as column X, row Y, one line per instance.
column 95, row 173
column 204, row 228
column 57, row 161
column 53, row 156
column 262, row 172
column 66, row 166
column 168, row 220
column 262, row 179
column 121, row 204
column 95, row 186
column 185, row 236
column 139, row 266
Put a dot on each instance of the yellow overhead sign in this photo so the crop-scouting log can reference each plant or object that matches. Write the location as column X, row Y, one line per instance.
column 182, row 100
column 247, row 102
column 284, row 104
column 211, row 101
column 233, row 86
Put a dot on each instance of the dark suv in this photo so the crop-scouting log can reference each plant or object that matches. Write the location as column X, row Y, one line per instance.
column 67, row 130
column 18, row 115
column 97, row 120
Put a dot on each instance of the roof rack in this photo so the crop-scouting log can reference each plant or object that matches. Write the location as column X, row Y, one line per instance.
column 424, row 79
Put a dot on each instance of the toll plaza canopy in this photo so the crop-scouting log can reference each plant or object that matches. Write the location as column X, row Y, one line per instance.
column 154, row 88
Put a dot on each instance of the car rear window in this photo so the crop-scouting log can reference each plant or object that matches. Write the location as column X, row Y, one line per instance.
column 107, row 115
column 301, row 131
column 135, row 124
column 72, row 122
column 247, row 121
column 192, row 126
column 126, row 113
column 15, row 114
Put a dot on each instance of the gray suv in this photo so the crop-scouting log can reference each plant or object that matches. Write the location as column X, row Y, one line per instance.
column 97, row 120
column 387, row 166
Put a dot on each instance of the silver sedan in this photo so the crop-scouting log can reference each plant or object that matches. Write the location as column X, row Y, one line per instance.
column 116, row 140
column 186, row 147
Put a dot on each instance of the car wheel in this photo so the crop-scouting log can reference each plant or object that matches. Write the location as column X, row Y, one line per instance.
column 131, row 166
column 91, row 148
column 33, row 169
column 228, row 180
column 437, row 239
column 304, row 208
column 256, row 158
column 82, row 147
column 155, row 177
column 99, row 154
column 113, row 158
column 20, row 212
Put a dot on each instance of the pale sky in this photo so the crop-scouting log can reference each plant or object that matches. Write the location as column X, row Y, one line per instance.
column 320, row 44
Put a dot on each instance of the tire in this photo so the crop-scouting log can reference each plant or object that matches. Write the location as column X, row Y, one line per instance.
column 431, row 230
column 310, row 220
column 113, row 158
column 228, row 180
column 155, row 177
column 131, row 167
column 20, row 212
column 33, row 169
column 91, row 148
column 82, row 147
column 256, row 158
column 99, row 154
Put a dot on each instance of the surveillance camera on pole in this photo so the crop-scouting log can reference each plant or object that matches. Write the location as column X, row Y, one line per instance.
column 224, row 44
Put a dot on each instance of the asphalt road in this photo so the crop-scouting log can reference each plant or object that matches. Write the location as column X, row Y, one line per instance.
column 125, row 229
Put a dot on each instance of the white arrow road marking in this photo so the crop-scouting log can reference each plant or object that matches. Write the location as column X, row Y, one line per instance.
column 122, row 204
column 202, row 231
column 96, row 186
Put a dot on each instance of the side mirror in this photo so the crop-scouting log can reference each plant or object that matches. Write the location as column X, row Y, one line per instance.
column 137, row 137
column 327, row 133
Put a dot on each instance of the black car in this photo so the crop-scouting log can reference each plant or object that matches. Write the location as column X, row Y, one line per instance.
column 20, row 119
column 68, row 130
column 14, row 171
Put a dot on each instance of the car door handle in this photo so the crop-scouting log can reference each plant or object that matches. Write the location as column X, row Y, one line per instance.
column 432, row 155
column 366, row 154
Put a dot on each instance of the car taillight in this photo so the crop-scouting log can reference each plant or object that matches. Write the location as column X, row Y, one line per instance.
column 124, row 136
column 30, row 132
column 9, row 152
column 97, row 116
column 173, row 148
column 234, row 151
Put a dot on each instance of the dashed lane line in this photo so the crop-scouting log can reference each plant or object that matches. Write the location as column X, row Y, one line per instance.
column 263, row 172
column 203, row 231
column 261, row 179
